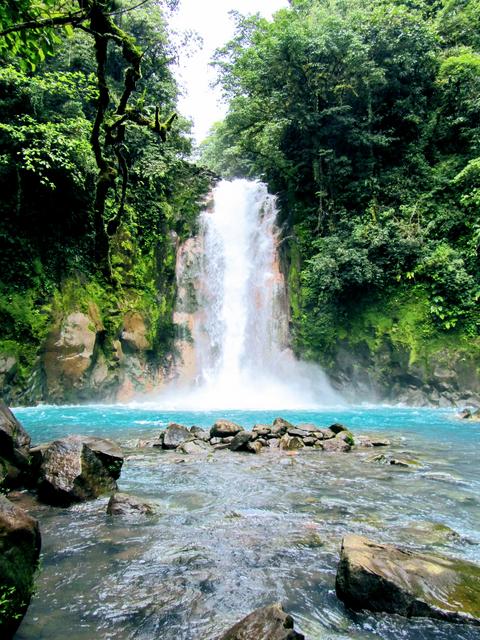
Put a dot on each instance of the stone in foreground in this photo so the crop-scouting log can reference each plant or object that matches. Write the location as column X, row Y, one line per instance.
column 267, row 623
column 77, row 468
column 121, row 504
column 381, row 577
column 19, row 551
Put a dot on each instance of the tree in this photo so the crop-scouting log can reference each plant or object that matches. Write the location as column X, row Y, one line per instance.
column 28, row 28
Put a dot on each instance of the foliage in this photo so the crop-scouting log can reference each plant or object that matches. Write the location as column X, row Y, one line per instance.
column 48, row 177
column 363, row 117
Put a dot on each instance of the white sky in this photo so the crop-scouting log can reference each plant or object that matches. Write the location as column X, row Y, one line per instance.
column 210, row 19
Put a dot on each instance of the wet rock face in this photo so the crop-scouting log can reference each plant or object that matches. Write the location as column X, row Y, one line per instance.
column 69, row 353
column 19, row 551
column 224, row 429
column 121, row 504
column 76, row 468
column 134, row 335
column 385, row 578
column 267, row 623
column 14, row 450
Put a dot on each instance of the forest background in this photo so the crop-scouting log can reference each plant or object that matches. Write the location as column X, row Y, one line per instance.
column 363, row 117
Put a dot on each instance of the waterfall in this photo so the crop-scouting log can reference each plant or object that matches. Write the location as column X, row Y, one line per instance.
column 232, row 311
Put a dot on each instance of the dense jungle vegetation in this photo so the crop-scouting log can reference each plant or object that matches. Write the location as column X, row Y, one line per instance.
column 94, row 173
column 364, row 115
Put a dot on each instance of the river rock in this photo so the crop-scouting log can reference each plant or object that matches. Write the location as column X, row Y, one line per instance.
column 121, row 504
column 175, row 435
column 19, row 551
column 280, row 427
column 14, row 450
column 299, row 433
column 267, row 623
column 225, row 428
column 76, row 468
column 381, row 577
column 336, row 427
column 335, row 445
column 325, row 434
column 290, row 443
column 200, row 434
column 381, row 458
column 307, row 427
column 240, row 441
column 254, row 447
column 262, row 429
column 194, row 447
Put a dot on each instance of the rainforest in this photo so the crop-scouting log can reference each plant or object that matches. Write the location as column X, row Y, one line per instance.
column 240, row 370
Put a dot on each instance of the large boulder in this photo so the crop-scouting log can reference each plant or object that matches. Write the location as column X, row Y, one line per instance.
column 267, row 623
column 14, row 450
column 381, row 577
column 76, row 468
column 224, row 429
column 175, row 435
column 19, row 552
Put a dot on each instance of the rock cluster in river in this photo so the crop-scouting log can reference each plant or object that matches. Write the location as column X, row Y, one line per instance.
column 281, row 434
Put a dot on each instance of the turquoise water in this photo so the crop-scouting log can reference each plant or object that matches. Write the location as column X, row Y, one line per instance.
column 236, row 531
column 118, row 421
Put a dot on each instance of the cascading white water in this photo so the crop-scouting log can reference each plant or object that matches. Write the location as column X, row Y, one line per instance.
column 233, row 300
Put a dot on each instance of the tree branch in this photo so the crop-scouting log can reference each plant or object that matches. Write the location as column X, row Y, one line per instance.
column 56, row 21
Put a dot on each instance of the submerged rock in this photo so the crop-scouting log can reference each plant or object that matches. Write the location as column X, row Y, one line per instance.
column 14, row 450
column 224, row 429
column 121, row 504
column 19, row 551
column 381, row 577
column 381, row 458
column 175, row 435
column 76, row 468
column 267, row 623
